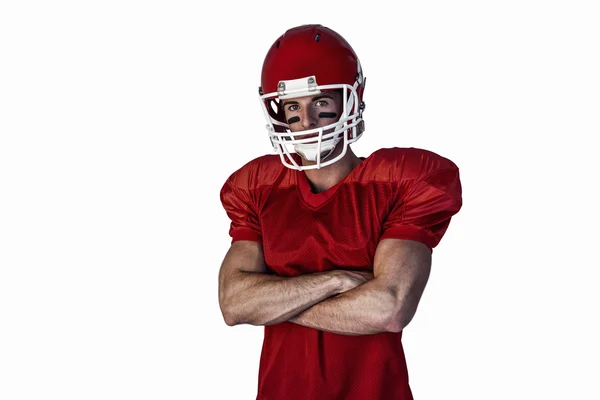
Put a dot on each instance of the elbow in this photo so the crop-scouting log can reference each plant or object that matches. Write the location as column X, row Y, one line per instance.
column 236, row 312
column 395, row 325
column 228, row 317
column 233, row 318
column 229, row 321
column 228, row 312
column 400, row 311
column 397, row 320
column 234, row 315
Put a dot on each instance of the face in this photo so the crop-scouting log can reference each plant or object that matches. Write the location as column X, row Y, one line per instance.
column 312, row 112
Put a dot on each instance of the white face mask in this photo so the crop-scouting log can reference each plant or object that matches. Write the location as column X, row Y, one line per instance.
column 317, row 148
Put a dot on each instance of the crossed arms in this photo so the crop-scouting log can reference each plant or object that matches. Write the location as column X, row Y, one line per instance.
column 338, row 301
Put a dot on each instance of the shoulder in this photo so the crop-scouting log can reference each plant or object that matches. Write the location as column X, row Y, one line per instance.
column 261, row 171
column 411, row 163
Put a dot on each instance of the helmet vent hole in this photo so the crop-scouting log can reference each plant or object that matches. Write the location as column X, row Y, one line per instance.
column 278, row 44
column 317, row 37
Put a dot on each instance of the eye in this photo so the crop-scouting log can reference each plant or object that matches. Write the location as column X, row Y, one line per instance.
column 321, row 103
column 293, row 107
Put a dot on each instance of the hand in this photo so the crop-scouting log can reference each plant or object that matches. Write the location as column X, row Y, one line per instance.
column 351, row 279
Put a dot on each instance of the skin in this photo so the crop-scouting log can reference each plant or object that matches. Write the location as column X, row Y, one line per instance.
column 338, row 301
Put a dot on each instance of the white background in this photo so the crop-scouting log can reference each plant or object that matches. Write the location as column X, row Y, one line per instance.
column 121, row 120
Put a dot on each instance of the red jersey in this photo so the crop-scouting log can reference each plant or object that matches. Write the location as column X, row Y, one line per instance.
column 403, row 193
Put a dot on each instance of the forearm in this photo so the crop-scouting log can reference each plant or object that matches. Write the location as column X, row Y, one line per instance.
column 263, row 299
column 364, row 310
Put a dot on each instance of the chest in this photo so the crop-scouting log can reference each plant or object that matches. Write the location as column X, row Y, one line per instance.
column 343, row 232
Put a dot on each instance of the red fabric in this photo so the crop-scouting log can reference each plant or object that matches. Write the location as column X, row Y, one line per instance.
column 403, row 193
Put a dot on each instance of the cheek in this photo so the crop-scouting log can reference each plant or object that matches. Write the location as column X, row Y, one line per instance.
column 290, row 118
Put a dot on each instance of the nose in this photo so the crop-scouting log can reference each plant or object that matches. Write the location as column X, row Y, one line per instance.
column 308, row 119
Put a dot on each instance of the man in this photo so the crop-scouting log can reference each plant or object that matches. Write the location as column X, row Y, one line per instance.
column 330, row 252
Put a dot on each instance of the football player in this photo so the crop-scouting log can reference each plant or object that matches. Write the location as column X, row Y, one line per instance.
column 330, row 252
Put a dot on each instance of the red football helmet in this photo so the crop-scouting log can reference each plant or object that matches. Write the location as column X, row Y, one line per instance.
column 305, row 61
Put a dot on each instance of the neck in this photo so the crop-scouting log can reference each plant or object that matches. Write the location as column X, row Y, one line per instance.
column 326, row 177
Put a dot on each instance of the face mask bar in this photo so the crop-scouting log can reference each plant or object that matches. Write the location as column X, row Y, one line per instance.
column 289, row 161
column 282, row 138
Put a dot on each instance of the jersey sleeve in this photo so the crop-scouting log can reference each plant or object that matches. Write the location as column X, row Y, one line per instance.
column 237, row 202
column 423, row 213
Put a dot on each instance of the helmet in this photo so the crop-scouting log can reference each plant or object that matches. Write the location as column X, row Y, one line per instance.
column 305, row 61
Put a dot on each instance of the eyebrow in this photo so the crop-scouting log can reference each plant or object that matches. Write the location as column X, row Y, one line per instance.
column 326, row 96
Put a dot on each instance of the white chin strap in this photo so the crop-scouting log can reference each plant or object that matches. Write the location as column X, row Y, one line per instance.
column 310, row 151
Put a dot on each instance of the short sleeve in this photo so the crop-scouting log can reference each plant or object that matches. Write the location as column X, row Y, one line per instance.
column 423, row 213
column 237, row 203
